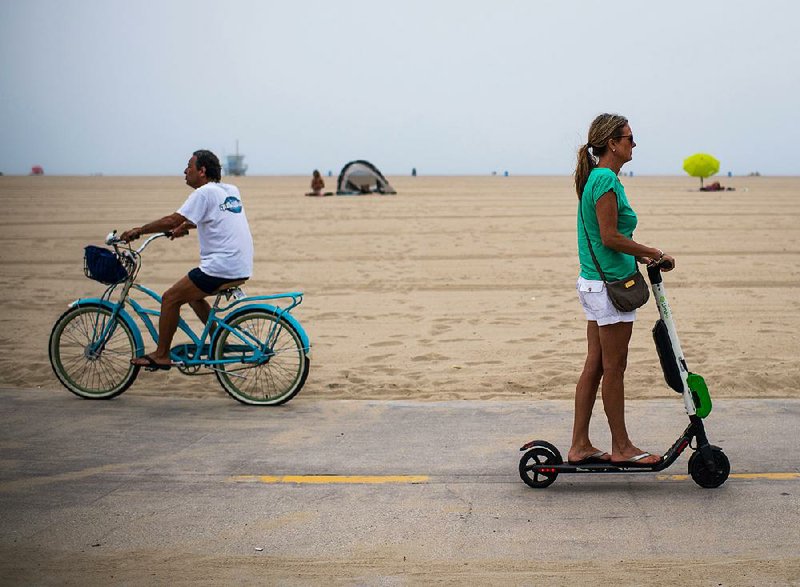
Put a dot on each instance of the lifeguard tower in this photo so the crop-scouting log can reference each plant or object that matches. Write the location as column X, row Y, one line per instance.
column 235, row 163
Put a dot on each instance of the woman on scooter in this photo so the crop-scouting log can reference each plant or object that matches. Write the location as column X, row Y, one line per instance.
column 609, row 223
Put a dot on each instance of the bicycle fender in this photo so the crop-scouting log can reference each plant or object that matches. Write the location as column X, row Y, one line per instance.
column 278, row 312
column 137, row 335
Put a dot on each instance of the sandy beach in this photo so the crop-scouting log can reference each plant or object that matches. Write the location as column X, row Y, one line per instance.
column 456, row 287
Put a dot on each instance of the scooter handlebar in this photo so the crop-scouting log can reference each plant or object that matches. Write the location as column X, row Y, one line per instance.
column 654, row 270
column 665, row 264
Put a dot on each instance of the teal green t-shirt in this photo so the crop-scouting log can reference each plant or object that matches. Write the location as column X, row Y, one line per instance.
column 615, row 265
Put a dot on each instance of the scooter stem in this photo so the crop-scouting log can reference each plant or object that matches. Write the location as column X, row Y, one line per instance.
column 660, row 296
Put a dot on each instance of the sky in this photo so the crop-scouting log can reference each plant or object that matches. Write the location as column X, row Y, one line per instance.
column 443, row 86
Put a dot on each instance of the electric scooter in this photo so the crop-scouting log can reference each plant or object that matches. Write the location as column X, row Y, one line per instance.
column 708, row 466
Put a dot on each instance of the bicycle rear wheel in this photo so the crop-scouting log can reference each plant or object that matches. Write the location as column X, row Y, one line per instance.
column 86, row 365
column 278, row 376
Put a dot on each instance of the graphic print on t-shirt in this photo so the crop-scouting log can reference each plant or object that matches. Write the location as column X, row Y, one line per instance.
column 231, row 204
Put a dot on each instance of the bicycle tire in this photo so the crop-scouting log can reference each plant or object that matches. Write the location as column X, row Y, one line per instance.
column 275, row 380
column 87, row 373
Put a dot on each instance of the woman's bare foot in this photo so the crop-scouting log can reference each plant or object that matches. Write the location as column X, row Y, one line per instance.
column 631, row 454
column 587, row 455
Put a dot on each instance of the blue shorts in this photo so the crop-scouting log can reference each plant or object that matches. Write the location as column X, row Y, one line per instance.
column 209, row 284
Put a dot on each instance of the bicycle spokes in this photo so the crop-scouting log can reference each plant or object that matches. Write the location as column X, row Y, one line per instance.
column 260, row 358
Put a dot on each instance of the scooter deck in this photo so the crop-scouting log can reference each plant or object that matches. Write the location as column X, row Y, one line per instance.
column 605, row 467
column 694, row 430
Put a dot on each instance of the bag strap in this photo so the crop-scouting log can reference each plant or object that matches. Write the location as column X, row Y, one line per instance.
column 589, row 241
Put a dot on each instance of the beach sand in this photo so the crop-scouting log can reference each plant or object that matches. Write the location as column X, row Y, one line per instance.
column 456, row 287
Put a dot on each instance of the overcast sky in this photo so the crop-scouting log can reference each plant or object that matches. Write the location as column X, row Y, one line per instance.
column 446, row 86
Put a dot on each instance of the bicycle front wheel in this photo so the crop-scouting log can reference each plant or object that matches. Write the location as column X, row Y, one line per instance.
column 273, row 379
column 90, row 355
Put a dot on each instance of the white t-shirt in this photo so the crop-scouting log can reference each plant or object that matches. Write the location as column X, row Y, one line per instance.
column 226, row 246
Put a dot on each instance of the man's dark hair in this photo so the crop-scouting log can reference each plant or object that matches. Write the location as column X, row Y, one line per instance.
column 210, row 161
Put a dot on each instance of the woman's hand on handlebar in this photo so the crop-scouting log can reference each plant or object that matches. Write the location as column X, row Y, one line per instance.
column 665, row 263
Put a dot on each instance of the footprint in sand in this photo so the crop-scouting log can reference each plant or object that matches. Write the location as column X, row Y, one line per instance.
column 439, row 330
column 388, row 370
column 430, row 357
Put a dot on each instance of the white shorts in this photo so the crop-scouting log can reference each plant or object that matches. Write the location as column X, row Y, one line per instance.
column 596, row 304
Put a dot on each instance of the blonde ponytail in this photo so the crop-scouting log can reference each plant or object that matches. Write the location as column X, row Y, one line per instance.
column 602, row 129
column 586, row 162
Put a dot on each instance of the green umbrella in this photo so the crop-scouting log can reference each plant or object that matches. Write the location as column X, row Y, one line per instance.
column 701, row 165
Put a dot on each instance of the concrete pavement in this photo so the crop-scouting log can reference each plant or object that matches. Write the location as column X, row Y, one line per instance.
column 82, row 480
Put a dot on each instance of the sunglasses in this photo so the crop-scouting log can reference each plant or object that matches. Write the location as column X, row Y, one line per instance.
column 625, row 137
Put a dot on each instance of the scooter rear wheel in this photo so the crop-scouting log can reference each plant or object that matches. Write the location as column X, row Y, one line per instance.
column 705, row 477
column 541, row 453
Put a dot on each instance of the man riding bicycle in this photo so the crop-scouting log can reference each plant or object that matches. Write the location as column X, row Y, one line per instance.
column 226, row 249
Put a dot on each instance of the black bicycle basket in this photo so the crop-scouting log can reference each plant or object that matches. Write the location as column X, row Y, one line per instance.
column 103, row 265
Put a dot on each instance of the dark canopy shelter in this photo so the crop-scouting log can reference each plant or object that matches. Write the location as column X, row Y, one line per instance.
column 362, row 177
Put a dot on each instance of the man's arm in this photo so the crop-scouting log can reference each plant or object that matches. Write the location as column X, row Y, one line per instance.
column 182, row 229
column 165, row 224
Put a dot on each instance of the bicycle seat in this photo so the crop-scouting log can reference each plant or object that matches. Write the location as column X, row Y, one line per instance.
column 230, row 285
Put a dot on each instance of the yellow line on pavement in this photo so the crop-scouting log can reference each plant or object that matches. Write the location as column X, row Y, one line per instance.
column 322, row 479
column 416, row 479
column 771, row 476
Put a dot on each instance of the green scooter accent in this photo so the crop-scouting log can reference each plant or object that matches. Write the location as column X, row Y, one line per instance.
column 700, row 395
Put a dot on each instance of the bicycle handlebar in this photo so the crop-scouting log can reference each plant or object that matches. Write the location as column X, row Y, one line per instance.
column 113, row 240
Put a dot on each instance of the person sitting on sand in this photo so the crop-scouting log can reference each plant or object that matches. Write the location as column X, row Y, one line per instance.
column 317, row 184
column 715, row 187
column 226, row 249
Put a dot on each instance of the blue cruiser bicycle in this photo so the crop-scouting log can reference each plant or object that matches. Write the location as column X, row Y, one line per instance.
column 258, row 351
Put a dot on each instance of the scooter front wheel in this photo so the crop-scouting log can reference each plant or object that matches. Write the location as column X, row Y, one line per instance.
column 709, row 478
column 541, row 454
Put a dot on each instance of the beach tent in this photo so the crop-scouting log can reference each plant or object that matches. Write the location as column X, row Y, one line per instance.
column 362, row 177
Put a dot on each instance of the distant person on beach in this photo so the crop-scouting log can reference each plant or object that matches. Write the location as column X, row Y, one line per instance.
column 610, row 222
column 226, row 249
column 317, row 184
column 715, row 187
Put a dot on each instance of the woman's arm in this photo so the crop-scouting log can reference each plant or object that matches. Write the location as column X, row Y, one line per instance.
column 612, row 238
